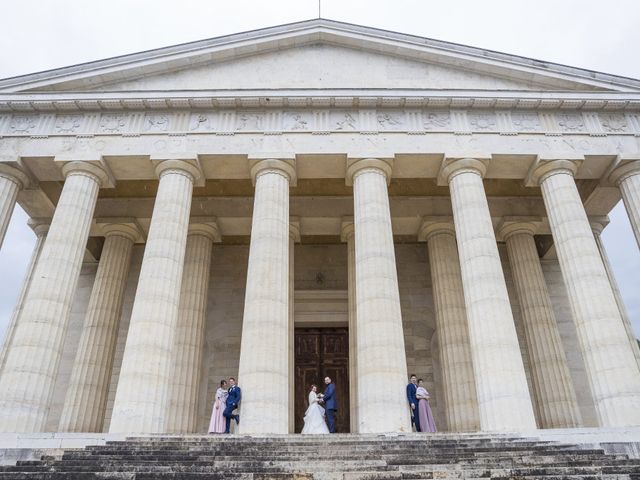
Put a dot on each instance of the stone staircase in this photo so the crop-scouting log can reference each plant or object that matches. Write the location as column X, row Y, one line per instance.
column 337, row 457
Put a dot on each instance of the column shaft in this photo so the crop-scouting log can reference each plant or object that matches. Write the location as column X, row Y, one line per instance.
column 610, row 364
column 142, row 396
column 41, row 234
column 630, row 190
column 380, row 350
column 616, row 291
column 9, row 188
column 501, row 385
column 86, row 397
column 294, row 236
column 27, row 382
column 353, row 328
column 453, row 335
column 190, row 332
column 552, row 384
column 264, row 359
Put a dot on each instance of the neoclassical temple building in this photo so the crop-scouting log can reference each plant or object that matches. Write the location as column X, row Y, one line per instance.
column 315, row 199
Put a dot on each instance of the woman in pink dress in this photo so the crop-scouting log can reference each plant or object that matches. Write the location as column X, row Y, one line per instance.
column 217, row 423
column 427, row 423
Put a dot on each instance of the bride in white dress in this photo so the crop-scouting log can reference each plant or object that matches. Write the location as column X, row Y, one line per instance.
column 314, row 416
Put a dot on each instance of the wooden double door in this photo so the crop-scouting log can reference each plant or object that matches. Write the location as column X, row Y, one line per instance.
column 321, row 352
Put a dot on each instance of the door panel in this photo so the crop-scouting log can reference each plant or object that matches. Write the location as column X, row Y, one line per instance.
column 321, row 352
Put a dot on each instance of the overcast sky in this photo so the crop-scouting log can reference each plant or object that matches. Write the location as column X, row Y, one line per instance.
column 597, row 35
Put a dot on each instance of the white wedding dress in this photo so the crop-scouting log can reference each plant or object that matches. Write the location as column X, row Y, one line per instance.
column 314, row 417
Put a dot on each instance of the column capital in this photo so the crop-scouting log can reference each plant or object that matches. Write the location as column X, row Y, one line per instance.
column 132, row 231
column 96, row 169
column 205, row 226
column 39, row 225
column 510, row 226
column 598, row 223
column 451, row 167
column 347, row 229
column 283, row 164
column 545, row 168
column 357, row 165
column 435, row 225
column 123, row 226
column 14, row 174
column 624, row 168
column 294, row 229
column 186, row 165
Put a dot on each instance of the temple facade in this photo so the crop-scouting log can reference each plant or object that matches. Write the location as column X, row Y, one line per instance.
column 317, row 199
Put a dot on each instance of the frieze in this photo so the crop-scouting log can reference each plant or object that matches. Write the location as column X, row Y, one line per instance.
column 323, row 121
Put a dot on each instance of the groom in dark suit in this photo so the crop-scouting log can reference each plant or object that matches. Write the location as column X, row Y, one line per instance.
column 330, row 404
column 412, row 387
column 235, row 394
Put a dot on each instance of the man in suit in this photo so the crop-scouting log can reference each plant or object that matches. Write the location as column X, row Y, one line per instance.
column 413, row 401
column 235, row 394
column 330, row 404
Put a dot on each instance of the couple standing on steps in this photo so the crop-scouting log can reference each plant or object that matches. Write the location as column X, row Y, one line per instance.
column 225, row 403
column 418, row 399
column 314, row 417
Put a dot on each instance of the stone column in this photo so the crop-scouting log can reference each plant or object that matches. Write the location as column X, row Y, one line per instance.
column 627, row 176
column 11, row 181
column 31, row 365
column 143, row 386
column 451, row 325
column 86, row 397
column 552, row 384
column 380, row 350
column 501, row 384
column 264, row 359
column 40, row 228
column 610, row 364
column 182, row 415
column 294, row 237
column 597, row 226
column 348, row 235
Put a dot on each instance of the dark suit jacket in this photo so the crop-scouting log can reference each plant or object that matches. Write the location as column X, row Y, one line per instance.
column 235, row 394
column 330, row 401
column 411, row 394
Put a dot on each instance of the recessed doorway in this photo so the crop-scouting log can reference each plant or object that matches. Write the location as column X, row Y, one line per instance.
column 321, row 352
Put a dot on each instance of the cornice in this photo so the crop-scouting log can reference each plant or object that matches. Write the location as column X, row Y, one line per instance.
column 316, row 98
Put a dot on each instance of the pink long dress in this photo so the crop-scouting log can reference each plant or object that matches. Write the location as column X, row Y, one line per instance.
column 427, row 423
column 217, row 423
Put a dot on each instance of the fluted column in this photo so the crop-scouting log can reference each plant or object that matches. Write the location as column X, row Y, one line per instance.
column 27, row 382
column 348, row 235
column 86, row 397
column 11, row 181
column 264, row 359
column 188, row 346
column 451, row 325
column 552, row 384
column 143, row 386
column 597, row 226
column 501, row 384
column 40, row 228
column 380, row 349
column 627, row 177
column 610, row 364
column 294, row 237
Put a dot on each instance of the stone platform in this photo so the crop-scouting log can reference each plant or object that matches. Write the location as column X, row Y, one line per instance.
column 337, row 457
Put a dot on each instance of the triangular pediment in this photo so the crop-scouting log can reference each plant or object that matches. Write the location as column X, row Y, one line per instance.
column 318, row 55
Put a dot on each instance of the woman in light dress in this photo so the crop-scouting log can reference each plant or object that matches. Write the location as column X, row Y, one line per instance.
column 427, row 423
column 217, row 423
column 314, row 416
